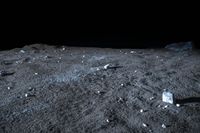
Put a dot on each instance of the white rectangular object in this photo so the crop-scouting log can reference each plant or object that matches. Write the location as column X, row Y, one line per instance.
column 167, row 97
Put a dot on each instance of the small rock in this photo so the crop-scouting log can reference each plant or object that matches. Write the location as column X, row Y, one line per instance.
column 106, row 66
column 36, row 73
column 166, row 106
column 107, row 120
column 122, row 84
column 178, row 105
column 163, row 126
column 9, row 88
column 30, row 88
column 26, row 95
column 135, row 71
column 151, row 98
column 98, row 69
column 120, row 100
column 22, row 51
column 63, row 48
column 141, row 110
column 132, row 52
column 83, row 56
column 144, row 125
column 167, row 97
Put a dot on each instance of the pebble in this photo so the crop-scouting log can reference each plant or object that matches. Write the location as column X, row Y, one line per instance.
column 22, row 51
column 178, row 105
column 9, row 88
column 36, row 73
column 151, row 98
column 165, row 106
column 132, row 52
column 98, row 69
column 135, row 71
column 141, row 110
column 83, row 56
column 26, row 95
column 107, row 120
column 163, row 126
column 30, row 88
column 120, row 99
column 144, row 125
column 122, row 84
column 106, row 66
column 63, row 48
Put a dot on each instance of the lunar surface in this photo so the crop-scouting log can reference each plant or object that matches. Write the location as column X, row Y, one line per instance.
column 49, row 89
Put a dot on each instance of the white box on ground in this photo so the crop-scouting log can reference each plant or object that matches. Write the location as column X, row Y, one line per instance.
column 168, row 97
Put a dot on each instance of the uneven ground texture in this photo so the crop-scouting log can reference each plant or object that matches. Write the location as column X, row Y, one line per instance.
column 68, row 90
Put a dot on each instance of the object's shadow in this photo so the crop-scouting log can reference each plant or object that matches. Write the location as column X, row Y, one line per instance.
column 188, row 100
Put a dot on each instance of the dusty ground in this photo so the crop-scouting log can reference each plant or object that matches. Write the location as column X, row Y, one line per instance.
column 55, row 89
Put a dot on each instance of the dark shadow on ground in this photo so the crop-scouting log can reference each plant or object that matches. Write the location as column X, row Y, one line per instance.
column 188, row 100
